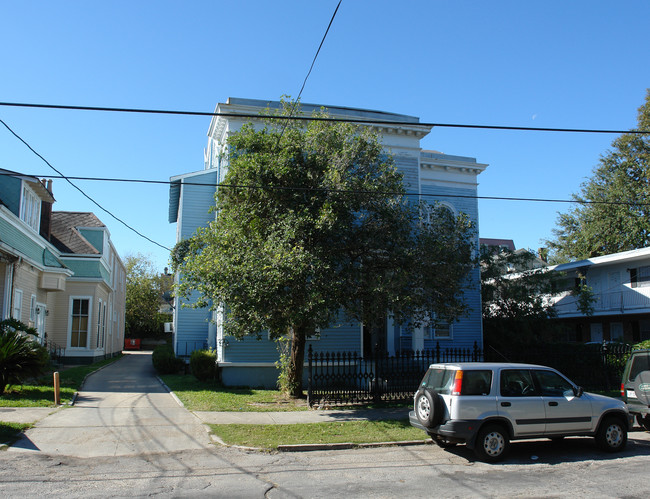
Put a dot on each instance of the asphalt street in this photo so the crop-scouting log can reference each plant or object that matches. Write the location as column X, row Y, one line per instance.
column 127, row 436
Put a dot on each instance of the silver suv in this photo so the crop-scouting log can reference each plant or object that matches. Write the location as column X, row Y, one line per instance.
column 485, row 405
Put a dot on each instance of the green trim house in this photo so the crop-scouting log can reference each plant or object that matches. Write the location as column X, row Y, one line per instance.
column 59, row 272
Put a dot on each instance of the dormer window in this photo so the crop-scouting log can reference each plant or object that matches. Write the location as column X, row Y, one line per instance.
column 30, row 208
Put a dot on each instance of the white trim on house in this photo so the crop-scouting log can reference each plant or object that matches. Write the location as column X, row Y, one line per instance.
column 89, row 327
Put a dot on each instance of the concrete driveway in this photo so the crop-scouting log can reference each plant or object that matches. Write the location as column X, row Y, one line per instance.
column 123, row 410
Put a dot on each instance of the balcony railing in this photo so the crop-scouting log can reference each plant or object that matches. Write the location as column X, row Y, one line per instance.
column 625, row 300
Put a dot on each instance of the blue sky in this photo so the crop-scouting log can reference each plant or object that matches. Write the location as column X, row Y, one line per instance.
column 577, row 64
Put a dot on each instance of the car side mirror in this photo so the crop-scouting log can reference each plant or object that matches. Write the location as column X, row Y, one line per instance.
column 578, row 391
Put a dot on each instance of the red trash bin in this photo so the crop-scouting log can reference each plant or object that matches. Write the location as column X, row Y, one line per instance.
column 131, row 344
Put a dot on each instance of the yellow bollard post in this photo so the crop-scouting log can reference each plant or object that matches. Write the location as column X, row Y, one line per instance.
column 57, row 390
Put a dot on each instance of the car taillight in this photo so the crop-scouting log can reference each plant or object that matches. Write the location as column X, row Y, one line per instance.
column 458, row 383
column 622, row 389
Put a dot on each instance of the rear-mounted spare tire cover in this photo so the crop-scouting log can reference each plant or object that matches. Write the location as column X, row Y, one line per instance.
column 642, row 387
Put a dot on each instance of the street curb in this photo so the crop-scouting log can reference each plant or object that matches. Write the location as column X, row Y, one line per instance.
column 349, row 445
column 316, row 447
column 178, row 401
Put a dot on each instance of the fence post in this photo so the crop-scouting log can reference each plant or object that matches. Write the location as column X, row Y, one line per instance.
column 309, row 365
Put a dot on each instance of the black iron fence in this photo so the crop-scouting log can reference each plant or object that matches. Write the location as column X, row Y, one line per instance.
column 348, row 378
column 597, row 367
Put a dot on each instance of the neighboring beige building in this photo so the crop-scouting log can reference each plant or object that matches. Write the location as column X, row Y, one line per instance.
column 59, row 272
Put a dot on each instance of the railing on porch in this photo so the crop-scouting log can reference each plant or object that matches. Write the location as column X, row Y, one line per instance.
column 348, row 378
column 57, row 352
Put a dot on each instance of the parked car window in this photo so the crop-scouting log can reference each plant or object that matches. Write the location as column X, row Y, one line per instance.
column 517, row 383
column 439, row 380
column 640, row 363
column 476, row 382
column 552, row 384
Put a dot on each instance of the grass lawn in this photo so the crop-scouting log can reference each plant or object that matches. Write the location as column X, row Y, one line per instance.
column 212, row 396
column 9, row 432
column 40, row 393
column 270, row 436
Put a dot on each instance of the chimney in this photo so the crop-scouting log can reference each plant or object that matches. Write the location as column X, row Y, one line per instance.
column 46, row 213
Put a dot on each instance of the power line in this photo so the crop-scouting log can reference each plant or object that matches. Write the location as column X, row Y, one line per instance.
column 67, row 179
column 319, row 118
column 339, row 191
column 313, row 62
column 318, row 51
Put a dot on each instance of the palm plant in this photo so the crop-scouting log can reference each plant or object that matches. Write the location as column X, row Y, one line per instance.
column 20, row 356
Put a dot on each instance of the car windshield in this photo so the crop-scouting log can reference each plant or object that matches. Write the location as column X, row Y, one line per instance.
column 439, row 379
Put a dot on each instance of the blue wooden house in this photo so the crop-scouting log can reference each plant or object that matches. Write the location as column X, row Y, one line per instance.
column 449, row 180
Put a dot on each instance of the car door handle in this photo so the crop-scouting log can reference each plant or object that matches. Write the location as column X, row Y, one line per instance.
column 553, row 404
column 505, row 404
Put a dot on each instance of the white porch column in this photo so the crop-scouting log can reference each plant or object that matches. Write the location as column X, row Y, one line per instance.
column 418, row 339
column 390, row 336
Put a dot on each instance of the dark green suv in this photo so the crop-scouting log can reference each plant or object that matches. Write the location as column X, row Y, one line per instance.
column 635, row 386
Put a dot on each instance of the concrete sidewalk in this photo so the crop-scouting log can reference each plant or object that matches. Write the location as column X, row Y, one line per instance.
column 122, row 410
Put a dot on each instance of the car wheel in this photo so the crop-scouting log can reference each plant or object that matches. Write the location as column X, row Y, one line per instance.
column 428, row 408
column 611, row 435
column 644, row 421
column 492, row 443
column 444, row 443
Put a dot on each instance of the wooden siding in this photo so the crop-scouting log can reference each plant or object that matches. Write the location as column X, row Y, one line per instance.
column 196, row 201
column 409, row 167
column 343, row 336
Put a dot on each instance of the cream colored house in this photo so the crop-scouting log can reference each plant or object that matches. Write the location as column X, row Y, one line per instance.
column 59, row 273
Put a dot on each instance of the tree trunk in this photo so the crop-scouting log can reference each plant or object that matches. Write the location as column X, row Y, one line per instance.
column 297, row 362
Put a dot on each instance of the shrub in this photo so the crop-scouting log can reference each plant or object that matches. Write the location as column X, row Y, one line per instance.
column 21, row 357
column 204, row 366
column 165, row 361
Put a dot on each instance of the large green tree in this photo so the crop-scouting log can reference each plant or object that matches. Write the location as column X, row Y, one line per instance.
column 612, row 212
column 312, row 220
column 144, row 291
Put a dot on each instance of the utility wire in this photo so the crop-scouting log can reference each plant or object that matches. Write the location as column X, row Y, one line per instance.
column 296, row 103
column 338, row 191
column 318, row 51
column 319, row 118
column 67, row 179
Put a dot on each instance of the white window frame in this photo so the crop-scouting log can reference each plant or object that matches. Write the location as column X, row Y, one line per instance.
column 30, row 208
column 16, row 310
column 99, row 342
column 89, row 323
column 448, row 336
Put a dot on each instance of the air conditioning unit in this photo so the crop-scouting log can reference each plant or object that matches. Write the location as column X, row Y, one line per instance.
column 169, row 327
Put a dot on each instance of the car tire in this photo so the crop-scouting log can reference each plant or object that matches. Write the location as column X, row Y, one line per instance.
column 428, row 408
column 644, row 421
column 492, row 443
column 611, row 435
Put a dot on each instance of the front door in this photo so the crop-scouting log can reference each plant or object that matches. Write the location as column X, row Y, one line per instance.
column 375, row 339
column 40, row 322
